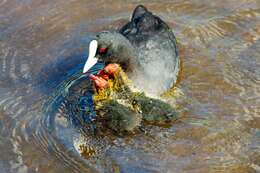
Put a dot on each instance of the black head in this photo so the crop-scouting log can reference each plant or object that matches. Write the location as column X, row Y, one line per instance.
column 113, row 47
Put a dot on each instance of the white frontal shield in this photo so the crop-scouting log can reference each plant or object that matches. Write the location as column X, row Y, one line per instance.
column 92, row 60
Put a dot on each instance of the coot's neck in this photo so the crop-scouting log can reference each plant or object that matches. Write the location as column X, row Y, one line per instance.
column 126, row 56
column 130, row 65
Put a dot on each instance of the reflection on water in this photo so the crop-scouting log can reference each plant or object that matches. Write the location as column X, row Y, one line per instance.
column 43, row 44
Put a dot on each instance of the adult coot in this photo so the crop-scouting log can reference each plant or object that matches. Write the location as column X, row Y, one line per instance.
column 145, row 48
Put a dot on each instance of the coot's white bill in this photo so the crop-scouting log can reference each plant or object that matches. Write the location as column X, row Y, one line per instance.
column 92, row 60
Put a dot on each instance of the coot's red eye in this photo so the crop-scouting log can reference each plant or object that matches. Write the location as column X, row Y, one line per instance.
column 102, row 50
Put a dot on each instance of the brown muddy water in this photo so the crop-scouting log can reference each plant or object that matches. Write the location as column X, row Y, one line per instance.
column 43, row 43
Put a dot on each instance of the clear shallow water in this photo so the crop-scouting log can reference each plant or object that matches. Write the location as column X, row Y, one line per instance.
column 43, row 44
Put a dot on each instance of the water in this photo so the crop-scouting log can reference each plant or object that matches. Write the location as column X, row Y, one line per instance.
column 43, row 45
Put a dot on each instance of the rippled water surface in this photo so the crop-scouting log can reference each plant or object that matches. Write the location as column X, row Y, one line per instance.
column 43, row 46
